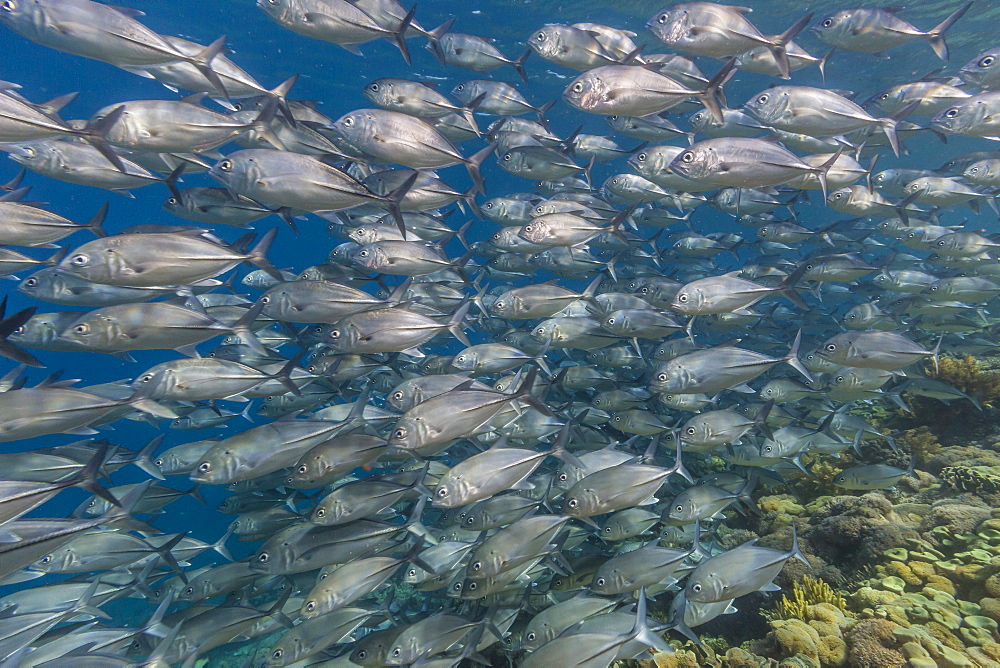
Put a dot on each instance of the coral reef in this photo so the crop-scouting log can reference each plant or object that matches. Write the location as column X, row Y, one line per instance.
column 807, row 592
column 967, row 375
column 920, row 442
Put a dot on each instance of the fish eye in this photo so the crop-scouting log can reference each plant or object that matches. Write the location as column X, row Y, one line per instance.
column 682, row 298
column 688, row 156
column 398, row 396
column 399, row 433
column 460, row 87
column 762, row 99
column 373, row 87
column 80, row 260
column 611, row 321
column 470, row 520
column 172, row 200
column 540, row 37
column 477, row 566
column 46, row 559
column 8, row 5
column 531, row 636
column 488, row 205
column 302, row 470
column 563, row 477
column 412, row 573
column 264, row 557
column 506, row 157
column 578, row 87
column 226, row 165
column 188, row 591
column 607, row 529
column 830, row 347
column 205, row 467
column 158, row 462
column 321, row 512
column 349, row 121
column 884, row 96
column 572, row 503
column 827, row 23
column 662, row 378
column 278, row 652
column 600, row 582
column 690, row 431
column 30, row 282
column 662, row 18
column 310, row 606
column 696, row 588
column 442, row 492
column 838, row 195
column 987, row 61
column 335, row 334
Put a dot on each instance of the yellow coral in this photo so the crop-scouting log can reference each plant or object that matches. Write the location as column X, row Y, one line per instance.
column 805, row 593
column 968, row 375
column 921, row 442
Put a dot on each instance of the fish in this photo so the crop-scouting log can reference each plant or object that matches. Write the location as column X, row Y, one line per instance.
column 525, row 342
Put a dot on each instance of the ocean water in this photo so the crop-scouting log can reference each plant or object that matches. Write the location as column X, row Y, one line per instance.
column 334, row 78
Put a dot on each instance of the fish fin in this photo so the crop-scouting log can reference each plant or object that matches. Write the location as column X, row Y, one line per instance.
column 936, row 34
column 143, row 458
column 434, row 40
column 518, row 65
column 399, row 35
column 780, row 43
column 792, row 358
column 7, row 327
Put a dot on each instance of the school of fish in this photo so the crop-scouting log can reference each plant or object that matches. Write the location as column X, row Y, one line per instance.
column 509, row 426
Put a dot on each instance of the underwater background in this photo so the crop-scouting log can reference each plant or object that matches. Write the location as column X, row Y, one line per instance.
column 903, row 576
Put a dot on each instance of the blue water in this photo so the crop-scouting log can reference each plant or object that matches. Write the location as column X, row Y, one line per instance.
column 335, row 77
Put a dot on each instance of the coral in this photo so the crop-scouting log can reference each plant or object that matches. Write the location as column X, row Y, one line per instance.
column 805, row 593
column 968, row 375
column 969, row 479
column 871, row 644
column 822, row 471
column 852, row 531
column 920, row 442
column 956, row 518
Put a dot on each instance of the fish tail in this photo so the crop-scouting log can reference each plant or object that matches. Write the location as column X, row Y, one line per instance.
column 641, row 631
column 473, row 165
column 202, row 61
column 518, row 65
column 936, row 35
column 795, row 551
column 792, row 358
column 710, row 95
column 96, row 223
column 8, row 326
column 280, row 95
column 434, row 40
column 95, row 134
column 780, row 43
column 395, row 198
column 144, row 458
column 258, row 256
column 399, row 35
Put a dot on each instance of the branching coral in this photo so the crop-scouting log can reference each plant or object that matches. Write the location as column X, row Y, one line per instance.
column 920, row 442
column 968, row 376
column 806, row 592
